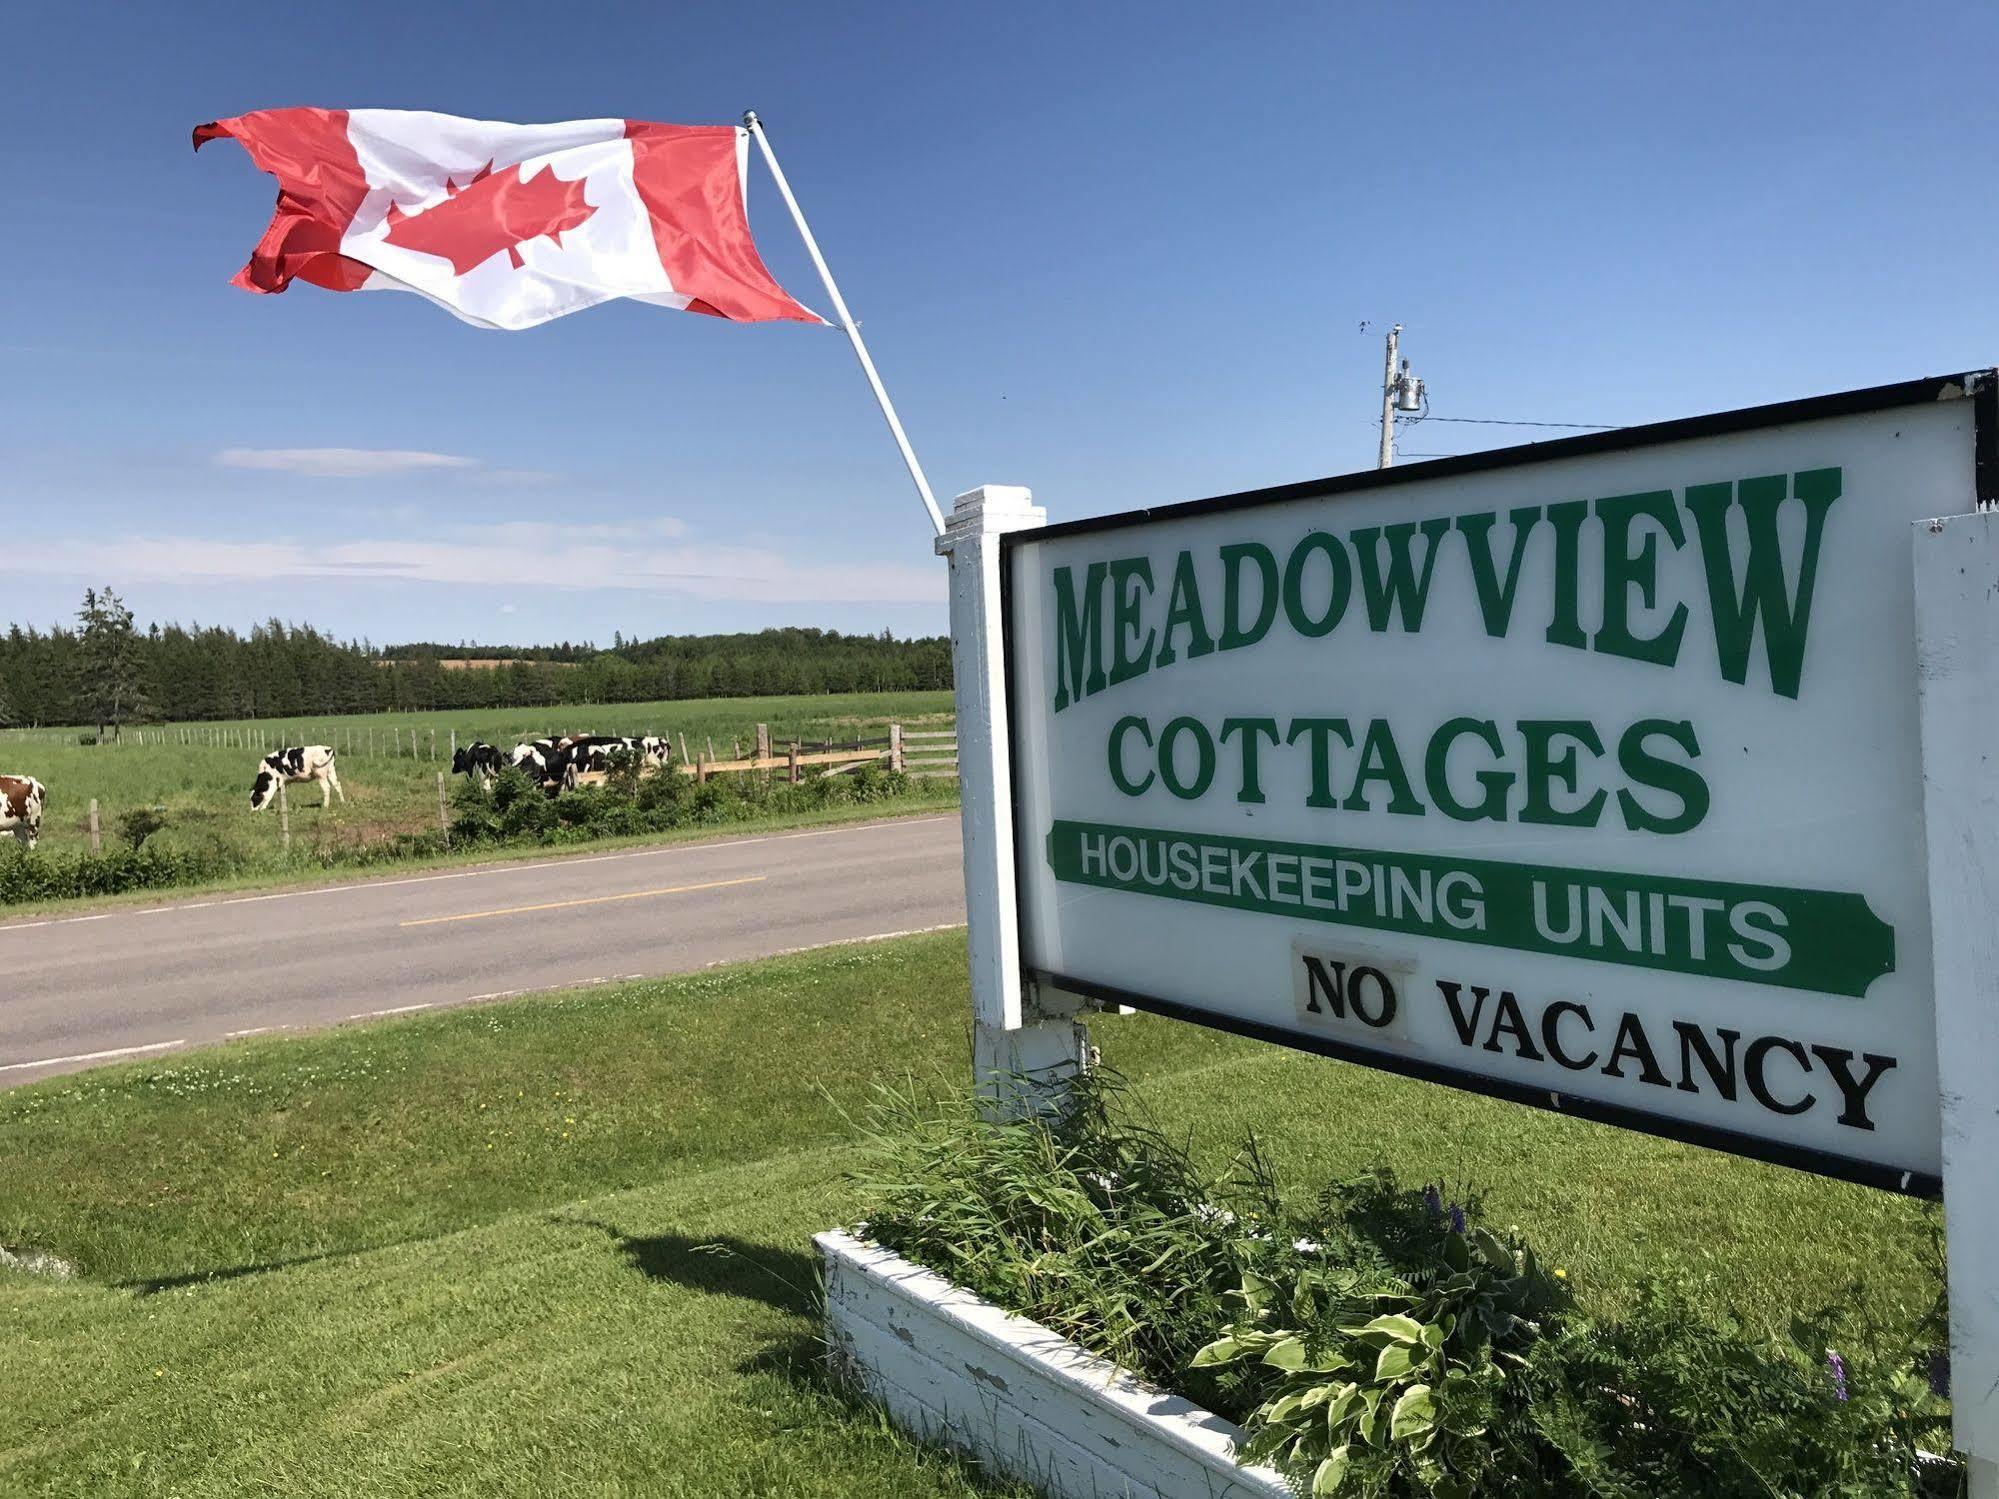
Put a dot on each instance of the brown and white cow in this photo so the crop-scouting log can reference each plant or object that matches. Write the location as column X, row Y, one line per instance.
column 311, row 762
column 21, row 799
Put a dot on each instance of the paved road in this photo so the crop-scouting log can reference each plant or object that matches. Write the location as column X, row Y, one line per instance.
column 147, row 981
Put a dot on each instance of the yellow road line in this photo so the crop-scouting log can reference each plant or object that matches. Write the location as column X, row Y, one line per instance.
column 589, row 900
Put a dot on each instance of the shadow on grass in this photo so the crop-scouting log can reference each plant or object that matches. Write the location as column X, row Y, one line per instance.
column 786, row 1279
column 152, row 1285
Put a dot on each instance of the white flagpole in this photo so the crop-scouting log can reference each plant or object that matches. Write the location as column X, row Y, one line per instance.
column 756, row 129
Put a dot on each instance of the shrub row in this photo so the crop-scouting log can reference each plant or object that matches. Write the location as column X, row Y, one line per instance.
column 43, row 876
column 516, row 813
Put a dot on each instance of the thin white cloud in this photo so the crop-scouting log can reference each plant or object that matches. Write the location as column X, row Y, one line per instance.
column 342, row 463
column 537, row 533
column 512, row 556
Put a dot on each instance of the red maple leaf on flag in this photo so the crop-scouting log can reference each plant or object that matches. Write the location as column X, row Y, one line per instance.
column 491, row 213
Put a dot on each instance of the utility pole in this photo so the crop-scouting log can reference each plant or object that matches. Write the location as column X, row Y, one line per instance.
column 1388, row 399
column 1400, row 391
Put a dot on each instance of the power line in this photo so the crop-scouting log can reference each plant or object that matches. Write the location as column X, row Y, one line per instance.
column 1488, row 421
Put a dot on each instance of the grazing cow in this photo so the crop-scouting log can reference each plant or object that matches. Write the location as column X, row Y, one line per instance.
column 532, row 757
column 479, row 761
column 655, row 750
column 312, row 762
column 21, row 799
column 591, row 752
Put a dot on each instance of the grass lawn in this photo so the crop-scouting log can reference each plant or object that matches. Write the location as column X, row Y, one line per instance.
column 472, row 1252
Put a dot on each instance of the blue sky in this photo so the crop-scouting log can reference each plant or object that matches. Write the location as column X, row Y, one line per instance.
column 1117, row 253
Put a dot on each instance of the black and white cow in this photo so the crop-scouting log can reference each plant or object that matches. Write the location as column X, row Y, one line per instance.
column 480, row 761
column 21, row 799
column 558, row 762
column 531, row 757
column 311, row 762
column 592, row 752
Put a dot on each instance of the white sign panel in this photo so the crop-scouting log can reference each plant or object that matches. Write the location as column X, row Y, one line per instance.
column 1591, row 780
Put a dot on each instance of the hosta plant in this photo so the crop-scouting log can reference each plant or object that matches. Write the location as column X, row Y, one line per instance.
column 1368, row 1373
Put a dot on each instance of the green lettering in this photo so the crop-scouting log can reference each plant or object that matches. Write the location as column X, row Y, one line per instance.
column 1669, row 776
column 1183, row 607
column 1321, row 731
column 1079, row 635
column 1235, row 634
column 1437, row 772
column 1381, row 760
column 1204, row 758
column 1763, row 585
column 1495, row 599
column 1623, row 571
column 1565, row 628
column 1119, row 779
column 1401, row 590
column 1294, row 585
column 1545, row 769
column 1131, row 584
column 1251, row 787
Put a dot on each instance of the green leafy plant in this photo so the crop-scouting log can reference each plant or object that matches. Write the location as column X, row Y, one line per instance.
column 1391, row 1363
column 1090, row 1221
column 139, row 824
column 1383, row 1341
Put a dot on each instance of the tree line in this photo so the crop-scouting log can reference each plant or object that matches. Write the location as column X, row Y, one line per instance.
column 106, row 671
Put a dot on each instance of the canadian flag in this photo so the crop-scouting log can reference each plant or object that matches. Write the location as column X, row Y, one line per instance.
column 508, row 225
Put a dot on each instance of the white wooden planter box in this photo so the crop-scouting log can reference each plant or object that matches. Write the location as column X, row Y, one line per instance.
column 1021, row 1399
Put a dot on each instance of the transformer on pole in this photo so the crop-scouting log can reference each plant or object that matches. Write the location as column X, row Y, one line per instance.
column 1400, row 391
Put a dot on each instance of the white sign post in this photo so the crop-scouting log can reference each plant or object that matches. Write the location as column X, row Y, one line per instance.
column 1957, row 630
column 1012, row 1039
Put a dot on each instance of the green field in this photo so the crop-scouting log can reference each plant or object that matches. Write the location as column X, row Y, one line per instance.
column 561, row 1245
column 204, row 787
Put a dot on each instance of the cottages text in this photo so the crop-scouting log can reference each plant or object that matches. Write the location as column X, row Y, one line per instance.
column 1121, row 619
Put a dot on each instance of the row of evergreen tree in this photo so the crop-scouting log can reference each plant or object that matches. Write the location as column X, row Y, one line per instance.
column 107, row 672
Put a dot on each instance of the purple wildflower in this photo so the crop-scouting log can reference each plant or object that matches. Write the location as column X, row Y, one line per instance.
column 1939, row 1372
column 1457, row 1219
column 1836, row 1367
column 1434, row 1201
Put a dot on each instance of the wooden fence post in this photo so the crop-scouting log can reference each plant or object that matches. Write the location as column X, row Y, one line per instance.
column 413, row 754
column 454, row 746
column 794, row 762
column 763, row 741
column 895, row 746
column 284, row 817
column 700, row 770
column 443, row 815
column 684, row 756
column 96, row 834
column 711, row 746
column 433, row 746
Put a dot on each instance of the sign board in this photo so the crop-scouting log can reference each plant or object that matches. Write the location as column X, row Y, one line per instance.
column 1585, row 774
